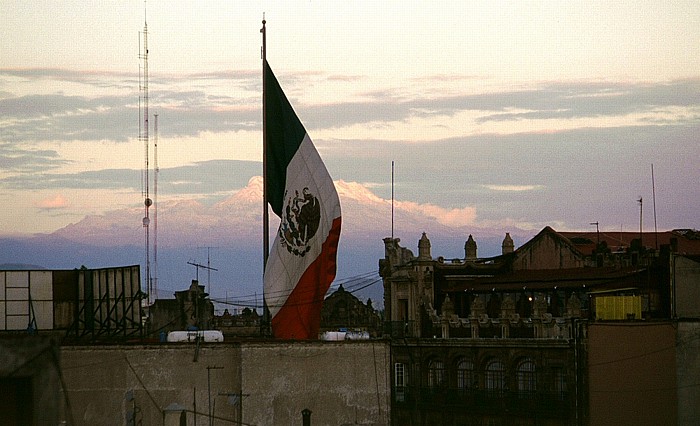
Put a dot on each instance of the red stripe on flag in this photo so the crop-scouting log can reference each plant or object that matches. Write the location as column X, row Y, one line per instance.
column 300, row 317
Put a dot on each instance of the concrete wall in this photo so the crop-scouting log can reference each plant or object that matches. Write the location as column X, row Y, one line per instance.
column 341, row 383
column 103, row 384
column 632, row 373
column 686, row 280
column 29, row 380
column 688, row 368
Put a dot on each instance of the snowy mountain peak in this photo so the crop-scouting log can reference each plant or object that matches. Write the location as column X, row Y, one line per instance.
column 356, row 191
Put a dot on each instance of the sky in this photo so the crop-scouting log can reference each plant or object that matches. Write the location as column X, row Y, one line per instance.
column 496, row 114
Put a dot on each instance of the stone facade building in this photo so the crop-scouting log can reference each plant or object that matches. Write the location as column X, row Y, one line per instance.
column 190, row 310
column 343, row 311
column 504, row 340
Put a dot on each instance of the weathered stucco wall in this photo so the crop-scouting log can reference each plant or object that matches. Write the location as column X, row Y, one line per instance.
column 688, row 361
column 632, row 373
column 29, row 380
column 340, row 382
column 98, row 380
column 686, row 279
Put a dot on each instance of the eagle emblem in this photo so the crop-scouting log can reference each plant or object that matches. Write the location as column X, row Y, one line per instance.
column 300, row 220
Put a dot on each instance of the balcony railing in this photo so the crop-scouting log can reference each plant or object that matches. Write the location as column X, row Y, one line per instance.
column 548, row 403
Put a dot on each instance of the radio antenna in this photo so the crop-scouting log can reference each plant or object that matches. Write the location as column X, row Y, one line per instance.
column 156, row 171
column 143, row 137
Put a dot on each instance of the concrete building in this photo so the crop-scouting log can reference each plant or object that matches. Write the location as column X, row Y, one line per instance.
column 260, row 383
column 73, row 351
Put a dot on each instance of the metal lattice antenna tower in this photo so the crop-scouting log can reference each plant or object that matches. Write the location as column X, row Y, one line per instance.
column 156, row 171
column 143, row 137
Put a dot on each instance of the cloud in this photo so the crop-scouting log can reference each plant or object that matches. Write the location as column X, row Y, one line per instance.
column 54, row 203
column 17, row 159
column 515, row 188
column 104, row 105
column 449, row 217
column 205, row 179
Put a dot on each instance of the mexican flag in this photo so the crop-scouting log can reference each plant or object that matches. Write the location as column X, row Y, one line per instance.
column 302, row 260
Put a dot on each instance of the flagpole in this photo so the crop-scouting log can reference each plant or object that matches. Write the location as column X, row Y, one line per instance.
column 266, row 215
column 266, row 219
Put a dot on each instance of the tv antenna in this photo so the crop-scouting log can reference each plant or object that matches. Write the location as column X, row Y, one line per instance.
column 199, row 265
column 209, row 268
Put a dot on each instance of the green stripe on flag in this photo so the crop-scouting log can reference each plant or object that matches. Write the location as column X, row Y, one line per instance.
column 284, row 135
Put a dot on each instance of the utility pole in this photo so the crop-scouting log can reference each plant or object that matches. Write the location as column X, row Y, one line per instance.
column 640, row 222
column 597, row 232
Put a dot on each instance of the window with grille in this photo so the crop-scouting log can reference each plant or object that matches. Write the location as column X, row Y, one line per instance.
column 495, row 377
column 400, row 381
column 559, row 383
column 465, row 375
column 436, row 373
column 525, row 377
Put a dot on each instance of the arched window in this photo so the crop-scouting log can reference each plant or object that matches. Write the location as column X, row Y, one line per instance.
column 465, row 375
column 495, row 377
column 525, row 377
column 436, row 373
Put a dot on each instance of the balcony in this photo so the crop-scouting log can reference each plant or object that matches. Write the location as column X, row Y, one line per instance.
column 486, row 401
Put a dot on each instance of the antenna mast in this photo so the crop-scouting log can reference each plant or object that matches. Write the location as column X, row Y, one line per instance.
column 392, row 200
column 199, row 265
column 209, row 268
column 640, row 221
column 156, row 171
column 653, row 193
column 143, row 137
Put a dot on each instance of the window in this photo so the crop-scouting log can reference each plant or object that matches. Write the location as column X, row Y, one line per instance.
column 465, row 375
column 525, row 377
column 400, row 381
column 436, row 374
column 495, row 377
column 559, row 383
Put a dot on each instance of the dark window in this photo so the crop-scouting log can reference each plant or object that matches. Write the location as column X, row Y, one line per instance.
column 465, row 375
column 525, row 377
column 436, row 374
column 495, row 377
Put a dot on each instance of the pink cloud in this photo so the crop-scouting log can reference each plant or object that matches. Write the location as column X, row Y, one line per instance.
column 53, row 203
